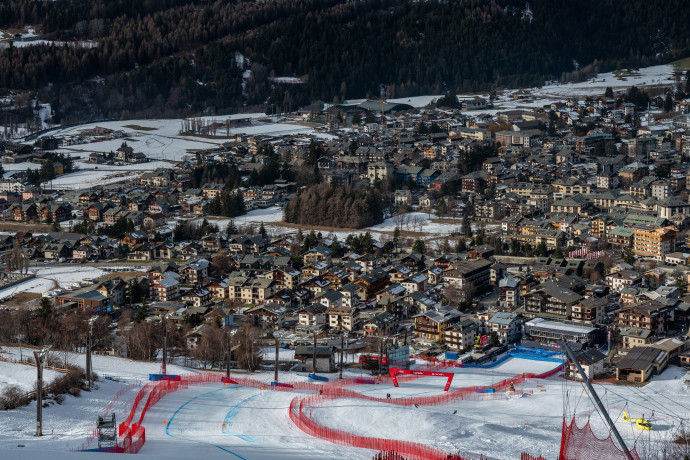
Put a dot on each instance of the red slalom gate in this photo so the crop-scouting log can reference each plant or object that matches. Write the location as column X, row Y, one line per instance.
column 449, row 375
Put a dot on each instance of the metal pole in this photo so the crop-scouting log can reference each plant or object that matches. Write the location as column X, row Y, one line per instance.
column 342, row 341
column 88, row 353
column 275, row 376
column 313, row 360
column 165, row 346
column 380, row 353
column 590, row 388
column 39, row 394
column 21, row 354
column 227, row 369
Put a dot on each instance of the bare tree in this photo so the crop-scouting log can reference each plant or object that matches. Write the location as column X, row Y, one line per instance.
column 248, row 350
column 211, row 349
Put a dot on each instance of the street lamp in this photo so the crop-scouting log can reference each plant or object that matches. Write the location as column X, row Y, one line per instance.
column 40, row 357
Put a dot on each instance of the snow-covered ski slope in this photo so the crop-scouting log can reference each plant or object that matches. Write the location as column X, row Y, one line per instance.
column 214, row 420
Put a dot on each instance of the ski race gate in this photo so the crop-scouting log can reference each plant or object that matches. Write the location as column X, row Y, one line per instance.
column 448, row 375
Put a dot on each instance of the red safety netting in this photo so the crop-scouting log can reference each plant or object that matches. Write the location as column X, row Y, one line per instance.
column 525, row 456
column 134, row 434
column 300, row 407
column 582, row 444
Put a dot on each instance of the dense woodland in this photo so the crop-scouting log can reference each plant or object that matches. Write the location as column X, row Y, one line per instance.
column 178, row 57
column 349, row 207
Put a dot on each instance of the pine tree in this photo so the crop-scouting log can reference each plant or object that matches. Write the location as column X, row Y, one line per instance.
column 668, row 102
column 629, row 256
column 396, row 237
column 141, row 312
column 45, row 309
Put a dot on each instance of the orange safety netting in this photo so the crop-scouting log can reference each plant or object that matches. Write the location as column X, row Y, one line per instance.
column 582, row 444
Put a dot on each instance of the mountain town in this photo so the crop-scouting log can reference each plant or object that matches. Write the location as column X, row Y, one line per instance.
column 457, row 229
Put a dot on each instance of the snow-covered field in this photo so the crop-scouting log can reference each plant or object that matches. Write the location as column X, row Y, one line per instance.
column 218, row 421
column 552, row 92
column 48, row 278
column 161, row 139
column 419, row 222
column 22, row 375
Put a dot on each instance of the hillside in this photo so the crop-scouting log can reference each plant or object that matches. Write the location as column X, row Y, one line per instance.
column 113, row 59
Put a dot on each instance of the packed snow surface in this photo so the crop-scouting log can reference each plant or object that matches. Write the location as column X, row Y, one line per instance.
column 189, row 423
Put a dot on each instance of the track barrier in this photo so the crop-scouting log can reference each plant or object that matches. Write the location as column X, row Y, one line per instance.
column 155, row 377
column 582, row 444
column 279, row 384
column 134, row 435
column 525, row 456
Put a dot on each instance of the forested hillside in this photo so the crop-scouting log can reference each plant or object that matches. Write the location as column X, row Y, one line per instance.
column 177, row 57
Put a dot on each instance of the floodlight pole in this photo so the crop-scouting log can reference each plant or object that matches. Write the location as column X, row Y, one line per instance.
column 590, row 388
column 39, row 393
column 275, row 376
column 313, row 360
column 21, row 354
column 88, row 353
column 89, row 333
column 227, row 369
column 165, row 346
column 39, row 356
column 342, row 341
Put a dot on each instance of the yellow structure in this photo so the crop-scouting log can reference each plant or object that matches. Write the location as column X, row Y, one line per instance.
column 653, row 242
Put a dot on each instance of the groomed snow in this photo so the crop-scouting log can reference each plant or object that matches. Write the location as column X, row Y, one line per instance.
column 258, row 426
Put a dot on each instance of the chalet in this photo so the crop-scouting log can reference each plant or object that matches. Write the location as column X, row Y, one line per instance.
column 343, row 318
column 434, row 323
column 461, row 334
column 312, row 315
column 651, row 315
column 318, row 254
column 323, row 355
column 268, row 315
column 372, row 283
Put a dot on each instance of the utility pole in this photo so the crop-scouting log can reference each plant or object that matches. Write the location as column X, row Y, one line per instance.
column 275, row 376
column 342, row 341
column 313, row 360
column 590, row 388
